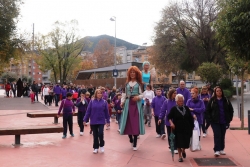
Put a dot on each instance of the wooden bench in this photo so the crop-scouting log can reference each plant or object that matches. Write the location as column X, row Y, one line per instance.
column 39, row 115
column 29, row 130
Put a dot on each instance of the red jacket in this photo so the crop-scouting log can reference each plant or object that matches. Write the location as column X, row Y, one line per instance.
column 7, row 87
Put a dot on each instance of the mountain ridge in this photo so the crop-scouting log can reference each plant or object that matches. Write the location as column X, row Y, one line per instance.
column 95, row 39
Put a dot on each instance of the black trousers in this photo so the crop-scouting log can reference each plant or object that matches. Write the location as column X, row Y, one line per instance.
column 160, row 129
column 7, row 93
column 46, row 99
column 14, row 92
column 133, row 139
column 80, row 117
column 169, row 132
column 205, row 124
column 67, row 121
column 98, row 135
column 36, row 95
column 219, row 136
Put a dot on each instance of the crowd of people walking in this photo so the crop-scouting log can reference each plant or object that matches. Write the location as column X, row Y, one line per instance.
column 135, row 104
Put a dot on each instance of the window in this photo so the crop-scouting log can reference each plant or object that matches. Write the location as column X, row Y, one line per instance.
column 33, row 73
column 146, row 58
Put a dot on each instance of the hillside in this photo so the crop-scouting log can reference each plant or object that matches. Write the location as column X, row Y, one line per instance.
column 119, row 42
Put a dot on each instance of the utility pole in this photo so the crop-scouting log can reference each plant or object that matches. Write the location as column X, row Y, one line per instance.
column 33, row 39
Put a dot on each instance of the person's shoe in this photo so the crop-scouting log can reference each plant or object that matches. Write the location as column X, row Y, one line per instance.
column 119, row 130
column 102, row 149
column 184, row 155
column 81, row 133
column 169, row 149
column 222, row 152
column 64, row 136
column 149, row 124
column 138, row 137
column 134, row 149
column 95, row 151
column 217, row 153
column 158, row 136
column 175, row 151
column 116, row 122
column 108, row 128
column 72, row 135
column 90, row 132
column 163, row 136
column 204, row 135
column 180, row 160
column 146, row 121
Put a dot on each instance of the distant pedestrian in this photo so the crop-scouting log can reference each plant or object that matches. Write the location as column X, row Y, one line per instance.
column 156, row 105
column 98, row 114
column 165, row 110
column 7, row 89
column 34, row 88
column 117, row 106
column 19, row 88
column 68, row 108
column 13, row 88
column 81, row 104
column 184, row 91
column 148, row 96
column 205, row 97
column 32, row 96
column 219, row 112
column 57, row 92
column 46, row 94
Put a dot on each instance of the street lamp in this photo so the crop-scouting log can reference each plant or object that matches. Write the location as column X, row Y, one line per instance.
column 115, row 72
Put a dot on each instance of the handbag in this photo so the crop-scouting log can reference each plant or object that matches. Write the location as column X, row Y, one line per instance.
column 194, row 142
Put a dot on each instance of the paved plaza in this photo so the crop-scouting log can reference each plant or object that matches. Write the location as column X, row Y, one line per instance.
column 50, row 150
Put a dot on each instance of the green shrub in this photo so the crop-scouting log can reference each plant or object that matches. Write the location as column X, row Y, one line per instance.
column 228, row 93
column 234, row 91
column 226, row 83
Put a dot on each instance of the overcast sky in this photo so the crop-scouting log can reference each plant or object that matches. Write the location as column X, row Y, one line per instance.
column 135, row 18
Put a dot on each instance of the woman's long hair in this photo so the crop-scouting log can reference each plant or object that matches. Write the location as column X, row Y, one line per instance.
column 214, row 97
column 170, row 93
column 137, row 73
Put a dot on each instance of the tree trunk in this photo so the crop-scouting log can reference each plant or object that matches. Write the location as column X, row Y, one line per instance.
column 242, row 99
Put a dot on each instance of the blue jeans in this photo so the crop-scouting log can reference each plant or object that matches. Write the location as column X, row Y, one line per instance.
column 219, row 136
column 57, row 98
column 119, row 118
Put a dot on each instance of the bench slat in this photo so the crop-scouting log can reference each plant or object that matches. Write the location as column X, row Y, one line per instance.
column 30, row 130
column 35, row 115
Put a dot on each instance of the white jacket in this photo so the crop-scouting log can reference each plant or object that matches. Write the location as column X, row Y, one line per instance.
column 45, row 91
column 148, row 94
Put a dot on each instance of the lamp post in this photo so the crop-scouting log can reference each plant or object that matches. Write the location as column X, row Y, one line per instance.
column 115, row 72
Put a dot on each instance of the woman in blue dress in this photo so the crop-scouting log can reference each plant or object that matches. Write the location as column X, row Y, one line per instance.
column 146, row 80
column 132, row 114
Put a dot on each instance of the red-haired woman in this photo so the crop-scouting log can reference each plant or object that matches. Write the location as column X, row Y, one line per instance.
column 196, row 106
column 132, row 115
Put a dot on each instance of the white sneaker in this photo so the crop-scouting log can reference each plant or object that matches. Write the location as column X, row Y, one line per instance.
column 134, row 148
column 163, row 136
column 204, row 135
column 102, row 149
column 158, row 136
column 119, row 130
column 222, row 152
column 108, row 128
column 81, row 133
column 138, row 137
column 176, row 151
column 95, row 151
column 116, row 122
column 217, row 153
column 169, row 149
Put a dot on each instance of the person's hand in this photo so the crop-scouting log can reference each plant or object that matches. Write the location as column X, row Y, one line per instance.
column 122, row 105
column 191, row 109
column 58, row 116
column 194, row 116
column 84, row 123
column 153, row 114
column 136, row 98
column 159, row 121
column 172, row 126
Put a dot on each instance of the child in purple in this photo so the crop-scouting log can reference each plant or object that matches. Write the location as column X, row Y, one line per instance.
column 118, row 108
column 81, row 104
column 98, row 113
column 68, row 108
column 156, row 104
